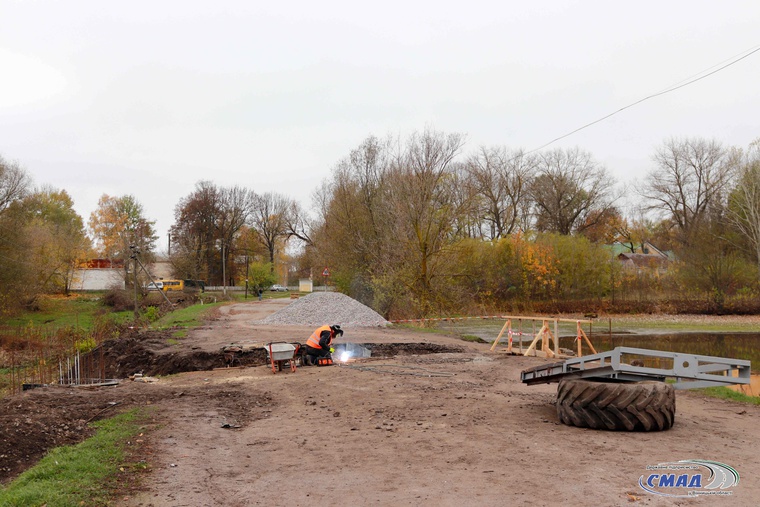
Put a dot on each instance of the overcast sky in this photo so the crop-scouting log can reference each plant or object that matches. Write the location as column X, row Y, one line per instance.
column 149, row 97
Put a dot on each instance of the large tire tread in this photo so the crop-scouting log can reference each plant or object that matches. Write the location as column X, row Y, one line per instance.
column 638, row 406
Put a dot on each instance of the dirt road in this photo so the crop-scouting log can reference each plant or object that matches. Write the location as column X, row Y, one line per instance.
column 443, row 429
column 433, row 429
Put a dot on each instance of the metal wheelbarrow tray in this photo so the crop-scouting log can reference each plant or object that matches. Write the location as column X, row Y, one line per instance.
column 279, row 353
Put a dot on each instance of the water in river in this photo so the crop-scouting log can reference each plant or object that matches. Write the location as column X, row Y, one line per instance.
column 733, row 345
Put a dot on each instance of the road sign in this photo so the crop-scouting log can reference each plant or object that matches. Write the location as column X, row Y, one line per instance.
column 326, row 272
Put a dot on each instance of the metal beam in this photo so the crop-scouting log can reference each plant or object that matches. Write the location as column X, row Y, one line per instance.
column 689, row 370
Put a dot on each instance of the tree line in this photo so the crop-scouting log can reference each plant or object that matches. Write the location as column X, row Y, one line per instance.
column 417, row 226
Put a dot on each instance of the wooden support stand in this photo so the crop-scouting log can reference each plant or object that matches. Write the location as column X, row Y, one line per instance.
column 544, row 334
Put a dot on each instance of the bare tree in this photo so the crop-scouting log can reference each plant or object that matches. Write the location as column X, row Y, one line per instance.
column 389, row 216
column 570, row 192
column 355, row 209
column 14, row 183
column 236, row 205
column 470, row 203
column 425, row 207
column 298, row 224
column 269, row 218
column 194, row 232
column 744, row 203
column 690, row 176
column 500, row 177
column 207, row 222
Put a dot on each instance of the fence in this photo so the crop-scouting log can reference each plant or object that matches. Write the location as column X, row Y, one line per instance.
column 31, row 358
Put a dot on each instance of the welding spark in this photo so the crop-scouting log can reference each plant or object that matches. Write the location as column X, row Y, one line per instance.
column 344, row 356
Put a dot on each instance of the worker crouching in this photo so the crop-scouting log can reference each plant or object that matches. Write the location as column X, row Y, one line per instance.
column 318, row 347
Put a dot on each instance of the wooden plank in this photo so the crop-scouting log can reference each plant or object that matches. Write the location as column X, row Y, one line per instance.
column 500, row 335
column 548, row 334
column 518, row 317
column 593, row 350
column 534, row 342
column 519, row 323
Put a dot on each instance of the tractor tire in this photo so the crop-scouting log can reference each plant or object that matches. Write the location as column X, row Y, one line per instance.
column 637, row 406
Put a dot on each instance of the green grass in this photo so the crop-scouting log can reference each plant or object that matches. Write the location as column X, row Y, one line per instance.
column 75, row 311
column 675, row 325
column 724, row 393
column 423, row 329
column 240, row 296
column 83, row 474
column 190, row 316
column 444, row 331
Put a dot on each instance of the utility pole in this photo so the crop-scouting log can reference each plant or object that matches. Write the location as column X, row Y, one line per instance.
column 224, row 272
column 133, row 256
column 150, row 277
column 246, row 276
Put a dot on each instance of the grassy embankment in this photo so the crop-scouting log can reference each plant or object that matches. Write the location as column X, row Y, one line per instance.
column 81, row 311
column 724, row 393
column 75, row 311
column 182, row 319
column 86, row 474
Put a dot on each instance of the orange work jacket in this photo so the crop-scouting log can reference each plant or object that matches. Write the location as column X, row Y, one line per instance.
column 313, row 340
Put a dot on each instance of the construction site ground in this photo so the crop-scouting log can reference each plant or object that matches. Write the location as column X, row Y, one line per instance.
column 437, row 421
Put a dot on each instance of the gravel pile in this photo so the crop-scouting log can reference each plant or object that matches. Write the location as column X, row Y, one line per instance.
column 320, row 308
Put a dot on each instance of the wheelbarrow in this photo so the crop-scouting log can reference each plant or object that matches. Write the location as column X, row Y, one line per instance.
column 279, row 353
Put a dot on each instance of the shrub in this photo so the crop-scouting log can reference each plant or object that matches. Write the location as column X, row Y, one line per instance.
column 152, row 314
column 85, row 344
column 119, row 300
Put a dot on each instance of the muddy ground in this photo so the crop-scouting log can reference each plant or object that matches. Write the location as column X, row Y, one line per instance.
column 440, row 422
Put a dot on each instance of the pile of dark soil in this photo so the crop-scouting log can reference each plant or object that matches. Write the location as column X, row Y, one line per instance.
column 145, row 352
column 125, row 357
column 408, row 349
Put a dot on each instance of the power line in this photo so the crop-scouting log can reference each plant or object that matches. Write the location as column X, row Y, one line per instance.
column 681, row 84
